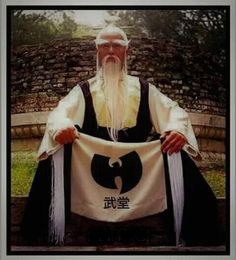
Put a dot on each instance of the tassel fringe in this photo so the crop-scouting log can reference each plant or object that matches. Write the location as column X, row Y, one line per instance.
column 177, row 190
column 57, row 207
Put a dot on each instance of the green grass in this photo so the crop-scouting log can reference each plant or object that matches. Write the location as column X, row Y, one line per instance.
column 216, row 179
column 24, row 166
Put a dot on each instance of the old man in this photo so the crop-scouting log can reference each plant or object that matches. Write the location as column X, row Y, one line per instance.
column 120, row 108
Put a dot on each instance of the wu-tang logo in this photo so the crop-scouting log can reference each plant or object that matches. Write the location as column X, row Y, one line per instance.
column 128, row 168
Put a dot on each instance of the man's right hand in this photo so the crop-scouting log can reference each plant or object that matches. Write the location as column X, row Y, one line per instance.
column 66, row 135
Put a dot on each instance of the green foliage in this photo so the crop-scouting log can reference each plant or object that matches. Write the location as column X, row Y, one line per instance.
column 67, row 27
column 207, row 28
column 23, row 167
column 32, row 28
column 204, row 28
column 83, row 31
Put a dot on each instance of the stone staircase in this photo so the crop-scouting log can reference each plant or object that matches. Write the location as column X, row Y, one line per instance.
column 82, row 235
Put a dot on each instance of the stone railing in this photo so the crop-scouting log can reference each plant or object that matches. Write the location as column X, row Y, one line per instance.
column 27, row 130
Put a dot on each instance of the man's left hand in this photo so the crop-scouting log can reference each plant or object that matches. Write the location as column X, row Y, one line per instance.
column 173, row 142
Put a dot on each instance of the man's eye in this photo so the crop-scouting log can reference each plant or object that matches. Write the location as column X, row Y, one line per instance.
column 105, row 46
column 116, row 46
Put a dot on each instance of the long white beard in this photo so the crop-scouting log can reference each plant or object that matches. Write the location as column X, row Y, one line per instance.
column 115, row 93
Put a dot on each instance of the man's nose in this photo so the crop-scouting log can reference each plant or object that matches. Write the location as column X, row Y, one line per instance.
column 111, row 49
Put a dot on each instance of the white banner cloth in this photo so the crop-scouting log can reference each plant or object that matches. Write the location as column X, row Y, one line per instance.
column 114, row 182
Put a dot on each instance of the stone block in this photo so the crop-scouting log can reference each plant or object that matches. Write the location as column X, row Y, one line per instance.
column 85, row 63
column 51, row 61
column 61, row 80
column 77, row 69
column 83, row 74
column 41, row 67
column 135, row 73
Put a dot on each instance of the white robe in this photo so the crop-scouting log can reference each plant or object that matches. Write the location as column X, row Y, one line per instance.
column 165, row 115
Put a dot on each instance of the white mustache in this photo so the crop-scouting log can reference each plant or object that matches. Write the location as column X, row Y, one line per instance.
column 110, row 56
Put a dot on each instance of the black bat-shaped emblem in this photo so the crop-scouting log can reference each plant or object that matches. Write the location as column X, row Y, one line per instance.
column 128, row 168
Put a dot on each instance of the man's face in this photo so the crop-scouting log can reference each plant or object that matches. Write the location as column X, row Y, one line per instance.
column 111, row 47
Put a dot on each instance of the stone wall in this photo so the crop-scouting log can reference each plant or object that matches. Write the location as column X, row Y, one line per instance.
column 42, row 74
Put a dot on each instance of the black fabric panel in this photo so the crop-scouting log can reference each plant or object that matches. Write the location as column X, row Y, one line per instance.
column 36, row 215
column 90, row 122
column 144, row 124
column 200, row 208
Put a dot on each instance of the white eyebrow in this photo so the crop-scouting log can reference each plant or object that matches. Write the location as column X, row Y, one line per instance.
column 121, row 42
column 102, row 41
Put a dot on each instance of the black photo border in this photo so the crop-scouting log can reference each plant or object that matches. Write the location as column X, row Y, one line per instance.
column 8, row 124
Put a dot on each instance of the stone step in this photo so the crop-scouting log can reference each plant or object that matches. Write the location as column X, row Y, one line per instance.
column 109, row 249
column 85, row 233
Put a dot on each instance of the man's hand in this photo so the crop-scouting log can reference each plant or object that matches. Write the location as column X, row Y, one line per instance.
column 66, row 135
column 173, row 142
